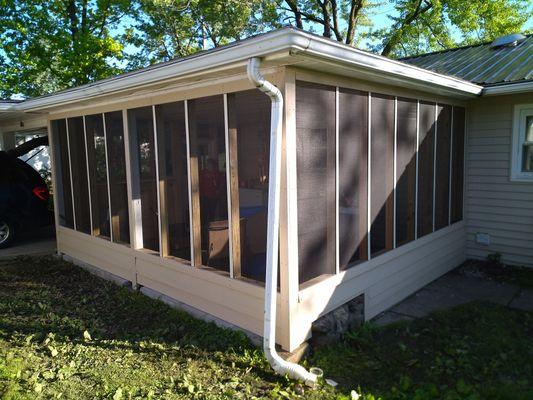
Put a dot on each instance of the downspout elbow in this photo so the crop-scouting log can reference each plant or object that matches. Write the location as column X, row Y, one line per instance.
column 279, row 365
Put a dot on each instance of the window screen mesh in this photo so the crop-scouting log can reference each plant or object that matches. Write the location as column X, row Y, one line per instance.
column 442, row 164
column 457, row 163
column 405, row 170
column 62, row 173
column 315, row 132
column 425, row 168
column 353, row 176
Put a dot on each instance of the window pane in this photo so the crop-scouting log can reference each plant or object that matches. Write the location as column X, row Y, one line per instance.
column 405, row 171
column 457, row 163
column 249, row 121
column 315, row 136
column 425, row 168
column 80, row 186
column 141, row 130
column 442, row 173
column 116, row 160
column 173, row 180
column 208, row 154
column 527, row 158
column 94, row 127
column 382, row 173
column 529, row 128
column 353, row 176
column 62, row 173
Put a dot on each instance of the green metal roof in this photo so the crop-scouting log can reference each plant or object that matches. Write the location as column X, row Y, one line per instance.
column 482, row 64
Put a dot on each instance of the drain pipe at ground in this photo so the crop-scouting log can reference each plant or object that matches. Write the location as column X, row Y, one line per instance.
column 278, row 364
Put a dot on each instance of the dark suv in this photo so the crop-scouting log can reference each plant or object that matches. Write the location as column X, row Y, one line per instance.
column 23, row 196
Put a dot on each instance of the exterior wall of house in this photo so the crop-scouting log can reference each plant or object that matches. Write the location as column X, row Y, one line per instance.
column 495, row 205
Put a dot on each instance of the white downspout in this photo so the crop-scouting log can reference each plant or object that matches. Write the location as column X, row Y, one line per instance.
column 278, row 364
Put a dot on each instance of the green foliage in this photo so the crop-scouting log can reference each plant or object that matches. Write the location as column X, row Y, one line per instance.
column 475, row 351
column 427, row 25
column 48, row 45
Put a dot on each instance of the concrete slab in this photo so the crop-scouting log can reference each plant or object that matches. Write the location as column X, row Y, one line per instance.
column 390, row 317
column 428, row 300
column 523, row 301
column 40, row 242
column 476, row 289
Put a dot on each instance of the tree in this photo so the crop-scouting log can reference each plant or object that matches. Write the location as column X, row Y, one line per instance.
column 174, row 28
column 416, row 25
column 52, row 45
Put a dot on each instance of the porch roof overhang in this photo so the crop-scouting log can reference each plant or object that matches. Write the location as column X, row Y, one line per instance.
column 287, row 46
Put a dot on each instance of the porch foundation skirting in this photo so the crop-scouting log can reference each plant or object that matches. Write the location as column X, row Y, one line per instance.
column 384, row 280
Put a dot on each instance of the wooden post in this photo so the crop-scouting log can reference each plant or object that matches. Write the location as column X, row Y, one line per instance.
column 196, row 227
column 233, row 179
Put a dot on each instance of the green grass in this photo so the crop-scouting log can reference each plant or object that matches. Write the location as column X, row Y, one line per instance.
column 67, row 334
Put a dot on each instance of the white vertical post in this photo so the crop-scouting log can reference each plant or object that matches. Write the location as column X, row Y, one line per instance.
column 228, row 186
column 369, row 178
column 395, row 150
column 108, row 182
column 337, row 235
column 158, row 189
column 450, row 171
column 416, row 168
column 435, row 162
column 70, row 170
column 188, row 144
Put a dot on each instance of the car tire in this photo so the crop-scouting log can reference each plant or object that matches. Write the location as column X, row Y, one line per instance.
column 7, row 234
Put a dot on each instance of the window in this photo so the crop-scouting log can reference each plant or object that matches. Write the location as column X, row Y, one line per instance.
column 96, row 155
column 522, row 156
column 207, row 137
column 173, row 180
column 426, row 149
column 62, row 173
column 381, row 173
column 80, row 188
column 405, row 170
column 353, row 177
column 315, row 141
column 144, row 175
column 442, row 166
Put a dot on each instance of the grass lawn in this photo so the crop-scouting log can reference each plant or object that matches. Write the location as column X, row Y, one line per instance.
column 67, row 334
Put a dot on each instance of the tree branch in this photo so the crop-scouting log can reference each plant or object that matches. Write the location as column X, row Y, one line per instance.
column 355, row 9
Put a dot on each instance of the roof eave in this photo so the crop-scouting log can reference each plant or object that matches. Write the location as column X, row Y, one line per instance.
column 284, row 40
column 508, row 88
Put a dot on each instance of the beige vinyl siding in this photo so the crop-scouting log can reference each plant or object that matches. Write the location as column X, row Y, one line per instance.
column 495, row 204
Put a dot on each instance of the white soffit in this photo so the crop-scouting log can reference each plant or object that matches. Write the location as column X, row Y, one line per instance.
column 280, row 47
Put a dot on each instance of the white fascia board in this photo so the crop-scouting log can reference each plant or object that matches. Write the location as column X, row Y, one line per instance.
column 276, row 42
column 509, row 88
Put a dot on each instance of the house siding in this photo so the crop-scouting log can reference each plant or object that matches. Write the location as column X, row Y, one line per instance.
column 494, row 204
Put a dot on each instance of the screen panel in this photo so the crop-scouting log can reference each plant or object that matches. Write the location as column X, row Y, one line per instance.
column 208, row 152
column 353, row 177
column 118, row 189
column 141, row 131
column 249, row 121
column 80, row 185
column 173, row 179
column 96, row 154
column 426, row 168
column 382, row 173
column 315, row 133
column 458, row 148
column 62, row 173
column 405, row 170
column 442, row 164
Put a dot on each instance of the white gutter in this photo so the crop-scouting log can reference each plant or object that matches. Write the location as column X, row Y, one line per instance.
column 287, row 40
column 278, row 364
column 509, row 88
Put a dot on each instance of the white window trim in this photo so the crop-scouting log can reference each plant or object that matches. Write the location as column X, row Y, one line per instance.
column 521, row 111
